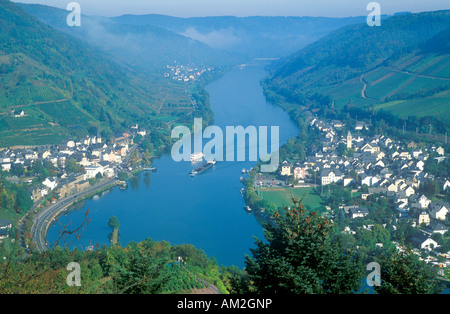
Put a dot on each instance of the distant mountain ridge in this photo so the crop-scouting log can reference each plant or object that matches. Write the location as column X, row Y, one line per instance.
column 65, row 86
column 403, row 66
column 143, row 46
column 254, row 36
column 218, row 40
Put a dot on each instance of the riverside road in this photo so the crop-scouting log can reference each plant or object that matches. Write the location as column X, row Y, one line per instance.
column 45, row 217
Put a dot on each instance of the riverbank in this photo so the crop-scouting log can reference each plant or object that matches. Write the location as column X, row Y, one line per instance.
column 203, row 108
column 46, row 216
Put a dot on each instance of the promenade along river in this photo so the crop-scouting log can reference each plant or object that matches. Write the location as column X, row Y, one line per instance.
column 206, row 211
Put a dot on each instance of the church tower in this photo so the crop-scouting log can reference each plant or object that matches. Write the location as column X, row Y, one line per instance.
column 349, row 140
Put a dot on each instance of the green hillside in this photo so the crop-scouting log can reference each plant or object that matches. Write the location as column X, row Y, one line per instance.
column 66, row 87
column 138, row 46
column 402, row 67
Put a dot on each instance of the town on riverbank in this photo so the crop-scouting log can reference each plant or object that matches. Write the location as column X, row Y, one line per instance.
column 381, row 192
column 48, row 179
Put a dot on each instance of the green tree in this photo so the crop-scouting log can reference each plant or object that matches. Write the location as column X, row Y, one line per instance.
column 146, row 157
column 113, row 222
column 134, row 159
column 123, row 176
column 404, row 273
column 72, row 166
column 143, row 271
column 300, row 257
column 17, row 170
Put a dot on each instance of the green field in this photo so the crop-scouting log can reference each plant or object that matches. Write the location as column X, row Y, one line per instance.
column 432, row 65
column 342, row 93
column 377, row 74
column 433, row 106
column 66, row 113
column 283, row 197
column 385, row 87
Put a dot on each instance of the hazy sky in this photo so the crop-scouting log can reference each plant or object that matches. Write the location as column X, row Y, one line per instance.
column 190, row 8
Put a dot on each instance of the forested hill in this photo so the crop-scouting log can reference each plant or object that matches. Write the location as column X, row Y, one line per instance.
column 63, row 85
column 149, row 47
column 402, row 66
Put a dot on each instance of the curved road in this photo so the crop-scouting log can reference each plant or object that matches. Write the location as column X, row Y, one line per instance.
column 46, row 216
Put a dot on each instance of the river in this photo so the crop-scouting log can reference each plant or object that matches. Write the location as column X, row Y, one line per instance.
column 205, row 211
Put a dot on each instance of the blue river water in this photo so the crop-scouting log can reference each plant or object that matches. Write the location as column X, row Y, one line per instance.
column 206, row 211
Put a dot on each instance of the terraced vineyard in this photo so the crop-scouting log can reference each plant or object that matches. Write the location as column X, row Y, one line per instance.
column 402, row 67
column 27, row 130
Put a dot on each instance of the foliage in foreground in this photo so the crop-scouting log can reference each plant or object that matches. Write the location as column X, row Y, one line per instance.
column 147, row 267
column 404, row 273
column 299, row 256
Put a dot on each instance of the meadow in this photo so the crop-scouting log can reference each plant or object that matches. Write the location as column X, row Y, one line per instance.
column 283, row 196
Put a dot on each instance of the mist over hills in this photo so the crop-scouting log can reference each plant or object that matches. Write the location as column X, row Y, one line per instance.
column 221, row 40
column 254, row 37
column 65, row 86
column 143, row 46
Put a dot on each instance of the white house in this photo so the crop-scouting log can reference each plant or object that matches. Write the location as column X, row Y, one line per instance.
column 20, row 114
column 420, row 164
column 424, row 201
column 92, row 171
column 423, row 218
column 31, row 156
column 348, row 181
column 361, row 125
column 446, row 185
column 409, row 191
column 286, row 168
column 358, row 212
column 439, row 210
column 6, row 167
column 424, row 242
column 102, row 168
column 386, row 141
column 329, row 176
column 369, row 148
column 50, row 183
column 392, row 187
column 405, row 155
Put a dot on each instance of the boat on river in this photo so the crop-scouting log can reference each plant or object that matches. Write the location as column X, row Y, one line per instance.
column 202, row 168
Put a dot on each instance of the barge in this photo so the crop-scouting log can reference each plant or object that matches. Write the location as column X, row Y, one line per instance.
column 202, row 168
